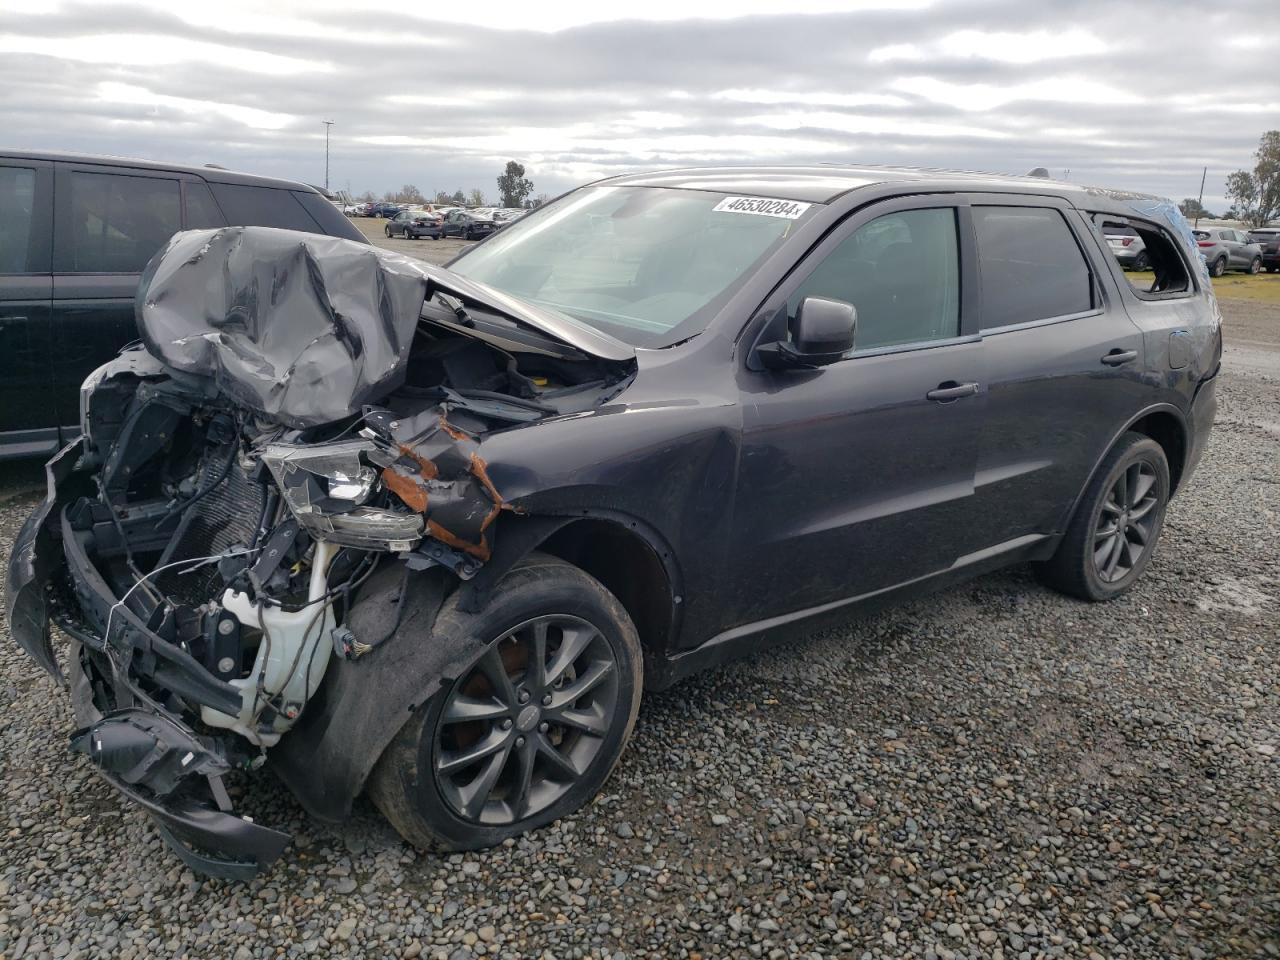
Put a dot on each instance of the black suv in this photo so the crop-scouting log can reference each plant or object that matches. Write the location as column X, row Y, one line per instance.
column 75, row 233
column 427, row 532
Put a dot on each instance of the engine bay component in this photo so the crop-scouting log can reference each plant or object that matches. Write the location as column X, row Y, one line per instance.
column 292, row 654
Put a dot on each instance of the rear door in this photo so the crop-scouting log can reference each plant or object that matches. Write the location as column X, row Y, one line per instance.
column 28, row 423
column 1063, row 363
column 108, row 222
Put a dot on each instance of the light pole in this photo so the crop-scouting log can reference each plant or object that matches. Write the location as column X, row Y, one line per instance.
column 327, row 125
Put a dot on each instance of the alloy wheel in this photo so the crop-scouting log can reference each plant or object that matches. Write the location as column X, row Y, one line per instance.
column 526, row 721
column 1126, row 522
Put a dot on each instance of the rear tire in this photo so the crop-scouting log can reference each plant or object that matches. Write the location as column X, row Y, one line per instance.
column 545, row 738
column 1113, row 533
column 1140, row 261
column 1219, row 267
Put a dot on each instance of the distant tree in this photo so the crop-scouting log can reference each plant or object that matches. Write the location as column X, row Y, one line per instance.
column 368, row 197
column 537, row 201
column 442, row 196
column 476, row 197
column 459, row 196
column 410, row 194
column 1255, row 194
column 1192, row 208
column 514, row 186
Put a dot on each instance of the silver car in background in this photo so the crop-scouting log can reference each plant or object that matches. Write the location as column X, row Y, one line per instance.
column 1127, row 245
column 1224, row 248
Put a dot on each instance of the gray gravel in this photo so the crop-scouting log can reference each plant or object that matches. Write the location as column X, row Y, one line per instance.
column 994, row 772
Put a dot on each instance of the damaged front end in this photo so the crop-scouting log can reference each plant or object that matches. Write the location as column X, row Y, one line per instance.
column 306, row 412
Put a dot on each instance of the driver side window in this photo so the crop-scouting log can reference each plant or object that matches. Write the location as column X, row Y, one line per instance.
column 901, row 272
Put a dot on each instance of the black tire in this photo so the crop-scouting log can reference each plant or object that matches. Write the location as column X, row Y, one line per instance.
column 1219, row 267
column 1255, row 266
column 466, row 234
column 387, row 231
column 1140, row 261
column 426, row 809
column 1093, row 543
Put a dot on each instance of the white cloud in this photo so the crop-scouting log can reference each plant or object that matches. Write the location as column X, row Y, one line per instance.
column 1002, row 46
column 877, row 126
column 192, row 110
column 142, row 50
column 980, row 97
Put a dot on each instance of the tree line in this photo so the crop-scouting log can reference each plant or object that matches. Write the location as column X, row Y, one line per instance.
column 514, row 190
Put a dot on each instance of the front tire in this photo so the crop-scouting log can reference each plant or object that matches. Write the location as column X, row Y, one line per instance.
column 387, row 231
column 530, row 730
column 1113, row 533
column 1256, row 265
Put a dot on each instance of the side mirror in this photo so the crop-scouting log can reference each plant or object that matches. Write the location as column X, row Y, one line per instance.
column 821, row 333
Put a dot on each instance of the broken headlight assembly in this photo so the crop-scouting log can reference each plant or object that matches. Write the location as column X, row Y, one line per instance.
column 327, row 487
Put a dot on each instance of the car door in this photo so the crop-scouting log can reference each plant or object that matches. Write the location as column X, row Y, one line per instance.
column 857, row 476
column 108, row 222
column 28, row 424
column 1063, row 362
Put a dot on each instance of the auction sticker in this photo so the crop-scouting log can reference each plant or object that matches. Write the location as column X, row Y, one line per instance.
column 762, row 207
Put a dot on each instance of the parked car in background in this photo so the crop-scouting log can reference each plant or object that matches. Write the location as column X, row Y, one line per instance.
column 1268, row 238
column 412, row 224
column 468, row 224
column 75, row 233
column 385, row 208
column 1225, row 248
column 355, row 209
column 666, row 420
column 1127, row 246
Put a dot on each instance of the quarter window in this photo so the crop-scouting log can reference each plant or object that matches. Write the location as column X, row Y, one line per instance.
column 262, row 207
column 901, row 273
column 201, row 210
column 17, row 209
column 119, row 222
column 1032, row 268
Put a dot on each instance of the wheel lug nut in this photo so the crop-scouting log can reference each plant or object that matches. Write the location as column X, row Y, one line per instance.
column 506, row 724
column 543, row 727
column 519, row 741
column 546, row 701
column 524, row 696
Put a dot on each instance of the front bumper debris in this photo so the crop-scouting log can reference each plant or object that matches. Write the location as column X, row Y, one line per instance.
column 157, row 763
column 145, row 752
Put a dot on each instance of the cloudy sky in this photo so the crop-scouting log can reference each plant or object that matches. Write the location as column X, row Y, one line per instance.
column 1124, row 94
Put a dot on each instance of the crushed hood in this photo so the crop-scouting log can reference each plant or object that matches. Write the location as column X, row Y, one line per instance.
column 306, row 329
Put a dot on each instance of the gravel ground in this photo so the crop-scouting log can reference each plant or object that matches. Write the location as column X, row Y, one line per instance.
column 994, row 772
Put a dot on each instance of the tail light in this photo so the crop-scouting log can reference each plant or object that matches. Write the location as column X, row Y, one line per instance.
column 1126, row 241
column 1204, row 243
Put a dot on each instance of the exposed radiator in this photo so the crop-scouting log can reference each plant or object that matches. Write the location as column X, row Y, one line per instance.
column 227, row 516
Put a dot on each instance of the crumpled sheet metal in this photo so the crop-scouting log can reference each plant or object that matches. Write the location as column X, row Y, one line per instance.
column 299, row 327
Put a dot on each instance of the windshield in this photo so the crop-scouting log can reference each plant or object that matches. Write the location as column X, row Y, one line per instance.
column 649, row 266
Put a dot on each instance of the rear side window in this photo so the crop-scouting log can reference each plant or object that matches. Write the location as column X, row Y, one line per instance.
column 1163, row 272
column 262, row 207
column 1032, row 268
column 200, row 209
column 17, row 210
column 900, row 272
column 118, row 222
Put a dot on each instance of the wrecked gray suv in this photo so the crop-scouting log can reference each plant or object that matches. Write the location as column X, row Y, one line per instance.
column 426, row 533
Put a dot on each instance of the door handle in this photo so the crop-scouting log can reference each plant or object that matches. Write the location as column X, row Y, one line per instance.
column 1117, row 356
column 949, row 390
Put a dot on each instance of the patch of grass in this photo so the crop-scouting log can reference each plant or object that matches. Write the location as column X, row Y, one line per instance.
column 1261, row 288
